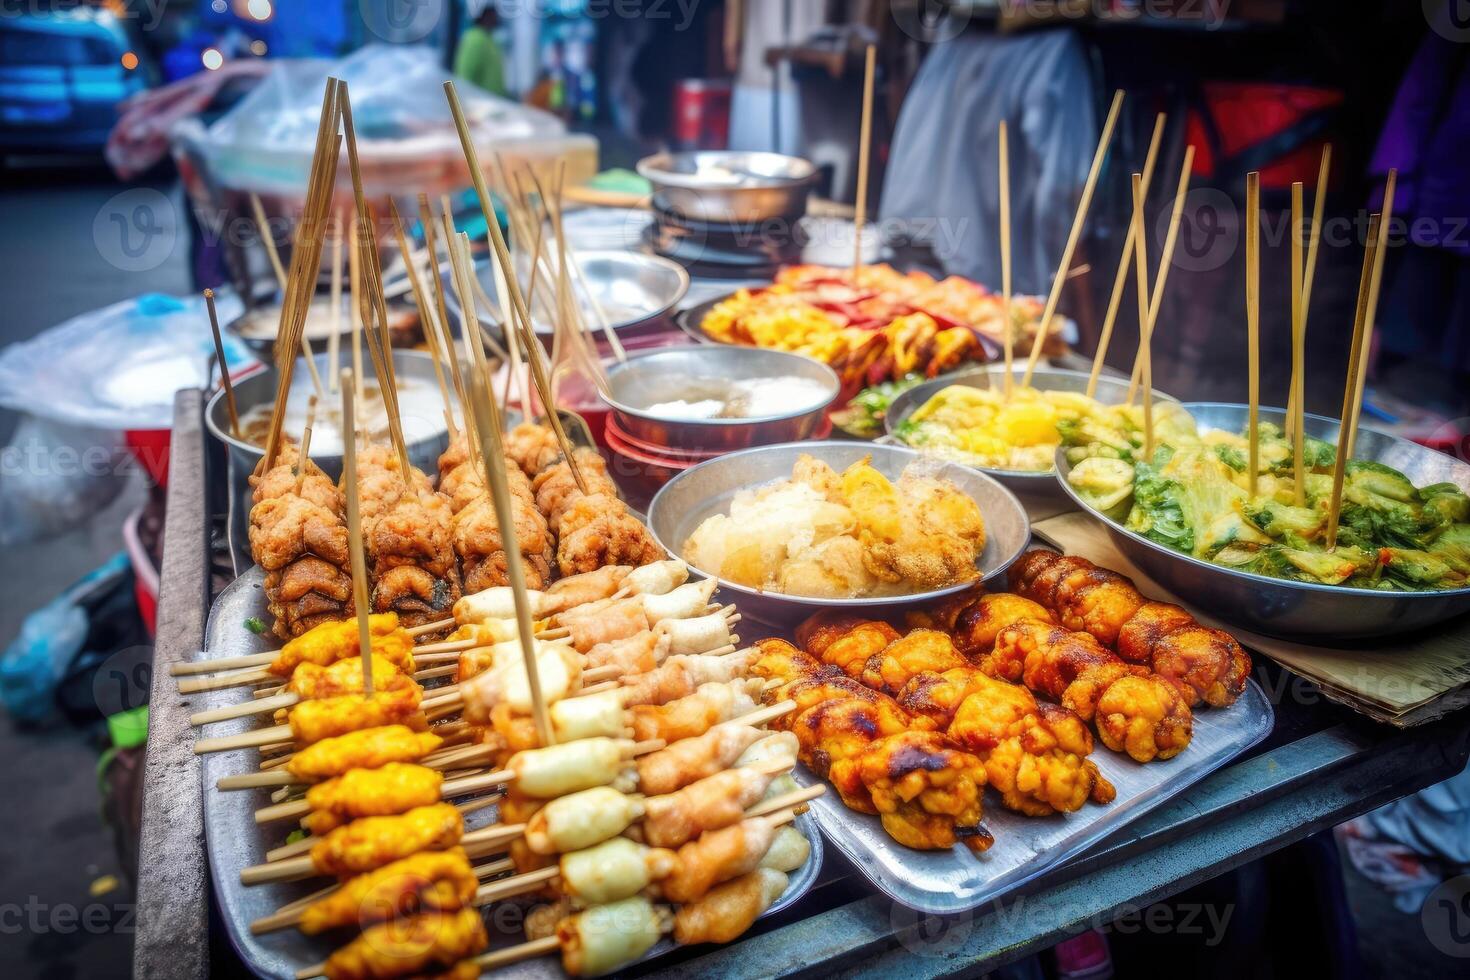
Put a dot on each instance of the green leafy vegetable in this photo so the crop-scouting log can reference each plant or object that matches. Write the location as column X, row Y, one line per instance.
column 255, row 625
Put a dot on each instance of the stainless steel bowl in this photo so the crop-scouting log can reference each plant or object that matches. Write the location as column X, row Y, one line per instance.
column 1300, row 610
column 664, row 375
column 708, row 489
column 633, row 289
column 729, row 186
column 1110, row 391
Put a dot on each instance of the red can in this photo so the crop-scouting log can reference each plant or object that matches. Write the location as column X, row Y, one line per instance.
column 702, row 113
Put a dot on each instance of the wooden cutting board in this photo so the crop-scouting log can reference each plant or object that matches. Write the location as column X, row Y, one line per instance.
column 1403, row 681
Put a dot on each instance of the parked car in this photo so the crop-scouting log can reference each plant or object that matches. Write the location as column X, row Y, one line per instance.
column 62, row 75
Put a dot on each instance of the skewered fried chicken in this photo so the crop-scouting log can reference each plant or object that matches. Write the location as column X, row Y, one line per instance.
column 300, row 539
column 633, row 655
column 403, row 947
column 394, row 701
column 726, row 912
column 327, row 643
column 851, row 651
column 371, row 842
column 921, row 650
column 593, row 586
column 406, row 530
column 368, row 748
column 558, row 667
column 598, row 530
column 394, row 788
column 716, row 856
column 556, row 486
column 1147, row 717
column 584, row 716
column 310, row 682
column 475, row 531
column 925, row 789
column 1207, row 664
column 693, row 759
column 681, row 675
column 532, row 447
column 1035, row 754
column 430, row 881
column 719, row 800
column 979, row 622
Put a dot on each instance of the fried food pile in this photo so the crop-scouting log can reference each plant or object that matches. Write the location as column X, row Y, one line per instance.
column 879, row 327
column 298, row 534
column 843, row 536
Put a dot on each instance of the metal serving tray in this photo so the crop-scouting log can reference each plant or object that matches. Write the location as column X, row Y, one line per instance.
column 956, row 880
column 234, row 840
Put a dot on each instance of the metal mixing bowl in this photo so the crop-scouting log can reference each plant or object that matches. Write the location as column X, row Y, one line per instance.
column 729, row 186
column 1300, row 610
column 633, row 289
column 708, row 489
column 664, row 375
column 1110, row 391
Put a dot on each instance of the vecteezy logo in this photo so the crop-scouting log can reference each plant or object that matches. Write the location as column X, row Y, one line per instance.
column 135, row 231
column 1208, row 230
column 1445, row 917
column 123, row 680
column 401, row 20
column 1450, row 19
column 932, row 21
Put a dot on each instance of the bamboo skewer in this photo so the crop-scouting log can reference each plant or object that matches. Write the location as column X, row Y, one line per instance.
column 354, row 302
column 1314, row 240
column 334, row 339
column 1378, row 263
column 1298, row 347
column 224, row 366
column 1005, row 254
column 304, row 461
column 1166, row 261
column 1350, row 388
column 1140, row 259
column 426, row 313
column 354, row 536
column 1080, row 218
column 269, row 241
column 1253, row 323
column 1120, row 279
column 865, row 144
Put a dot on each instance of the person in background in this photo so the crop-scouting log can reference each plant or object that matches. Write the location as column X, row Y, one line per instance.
column 480, row 59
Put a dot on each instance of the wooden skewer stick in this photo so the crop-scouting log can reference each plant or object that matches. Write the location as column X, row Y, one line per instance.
column 1314, row 239
column 224, row 365
column 354, row 536
column 1350, row 388
column 334, row 339
column 1005, row 254
column 865, row 149
column 355, row 302
column 303, row 461
column 1078, row 220
column 295, row 868
column 1166, row 261
column 280, row 776
column 269, row 241
column 1253, row 323
column 1387, row 228
column 1140, row 259
column 569, row 332
column 426, row 312
column 1298, row 347
column 1120, row 279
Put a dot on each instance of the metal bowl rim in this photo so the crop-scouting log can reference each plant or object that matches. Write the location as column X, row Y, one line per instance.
column 1040, row 372
column 615, row 369
column 650, row 169
column 243, row 446
column 1349, row 591
column 1003, row 562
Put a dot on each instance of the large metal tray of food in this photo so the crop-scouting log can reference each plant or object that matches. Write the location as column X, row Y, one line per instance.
column 957, row 880
column 234, row 841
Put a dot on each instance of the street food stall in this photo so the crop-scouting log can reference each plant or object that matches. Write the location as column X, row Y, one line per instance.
column 1037, row 646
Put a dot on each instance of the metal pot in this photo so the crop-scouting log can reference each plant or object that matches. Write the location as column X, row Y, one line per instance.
column 730, row 187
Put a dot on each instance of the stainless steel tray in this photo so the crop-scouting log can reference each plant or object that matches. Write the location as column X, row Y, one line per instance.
column 956, row 880
column 234, row 841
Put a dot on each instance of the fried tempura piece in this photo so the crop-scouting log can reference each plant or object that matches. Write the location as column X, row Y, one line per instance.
column 430, row 881
column 372, row 842
column 925, row 790
column 394, row 788
column 921, row 650
column 401, row 947
column 368, row 748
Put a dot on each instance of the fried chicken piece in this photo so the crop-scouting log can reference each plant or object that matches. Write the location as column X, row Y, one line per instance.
column 978, row 623
column 597, row 530
column 372, row 842
column 1145, row 717
column 716, row 856
column 430, row 881
column 326, row 644
column 556, row 486
column 694, row 759
column 310, row 682
column 395, row 701
column 816, row 633
column 941, row 615
column 715, row 801
column 695, row 713
column 365, row 749
column 529, row 445
column 727, row 911
column 851, row 651
column 924, row 532
column 394, row 788
column 921, row 650
column 401, row 947
column 283, row 529
column 1207, row 664
column 926, row 790
column 837, row 730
